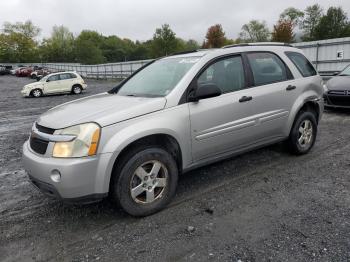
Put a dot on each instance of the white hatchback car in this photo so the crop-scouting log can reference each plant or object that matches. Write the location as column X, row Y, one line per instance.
column 63, row 82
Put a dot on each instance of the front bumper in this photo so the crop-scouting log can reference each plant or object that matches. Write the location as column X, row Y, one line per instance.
column 25, row 93
column 336, row 101
column 82, row 179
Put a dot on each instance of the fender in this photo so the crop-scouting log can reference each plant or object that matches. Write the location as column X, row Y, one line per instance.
column 309, row 96
column 174, row 122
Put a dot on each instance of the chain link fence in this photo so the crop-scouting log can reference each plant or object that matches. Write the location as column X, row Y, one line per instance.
column 101, row 71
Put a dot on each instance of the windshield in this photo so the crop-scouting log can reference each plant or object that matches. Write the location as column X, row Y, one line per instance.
column 159, row 78
column 44, row 78
column 345, row 72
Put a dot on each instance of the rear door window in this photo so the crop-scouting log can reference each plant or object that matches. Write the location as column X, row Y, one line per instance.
column 65, row 76
column 302, row 64
column 267, row 68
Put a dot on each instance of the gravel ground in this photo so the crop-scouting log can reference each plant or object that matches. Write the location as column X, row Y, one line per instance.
column 262, row 206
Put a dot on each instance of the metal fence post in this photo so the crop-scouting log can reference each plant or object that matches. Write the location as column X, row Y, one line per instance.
column 317, row 49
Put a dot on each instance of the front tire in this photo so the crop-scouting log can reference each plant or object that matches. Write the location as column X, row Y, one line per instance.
column 36, row 93
column 144, row 181
column 303, row 134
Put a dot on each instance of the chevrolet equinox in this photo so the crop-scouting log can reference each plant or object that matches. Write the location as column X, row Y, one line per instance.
column 173, row 115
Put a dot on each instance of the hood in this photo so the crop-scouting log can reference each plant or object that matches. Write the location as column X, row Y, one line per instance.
column 339, row 83
column 104, row 109
column 33, row 85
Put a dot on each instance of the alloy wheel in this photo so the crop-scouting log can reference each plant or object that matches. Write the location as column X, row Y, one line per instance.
column 76, row 90
column 37, row 93
column 148, row 182
column 305, row 133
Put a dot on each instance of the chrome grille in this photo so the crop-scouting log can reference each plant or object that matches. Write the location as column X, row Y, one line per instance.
column 339, row 92
column 39, row 145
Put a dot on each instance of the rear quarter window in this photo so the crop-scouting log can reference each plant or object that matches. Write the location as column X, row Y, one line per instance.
column 302, row 64
column 65, row 76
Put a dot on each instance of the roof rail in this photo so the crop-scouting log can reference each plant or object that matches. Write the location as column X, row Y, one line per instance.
column 193, row 51
column 259, row 44
column 184, row 52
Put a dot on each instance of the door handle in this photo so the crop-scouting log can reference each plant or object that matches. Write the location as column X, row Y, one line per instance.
column 290, row 87
column 245, row 99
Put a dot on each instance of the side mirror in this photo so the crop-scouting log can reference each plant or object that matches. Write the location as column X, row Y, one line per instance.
column 204, row 91
column 48, row 80
column 336, row 73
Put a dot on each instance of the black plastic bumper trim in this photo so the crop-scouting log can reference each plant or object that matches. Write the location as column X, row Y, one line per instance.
column 49, row 190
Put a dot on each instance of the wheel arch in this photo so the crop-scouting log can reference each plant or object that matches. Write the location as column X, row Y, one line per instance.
column 311, row 105
column 308, row 103
column 164, row 140
column 76, row 84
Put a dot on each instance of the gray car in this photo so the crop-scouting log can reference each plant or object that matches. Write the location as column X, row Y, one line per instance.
column 173, row 115
column 337, row 90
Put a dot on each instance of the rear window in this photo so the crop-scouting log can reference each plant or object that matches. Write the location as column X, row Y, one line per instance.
column 304, row 66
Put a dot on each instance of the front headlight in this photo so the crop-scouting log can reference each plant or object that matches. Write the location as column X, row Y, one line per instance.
column 325, row 88
column 85, row 143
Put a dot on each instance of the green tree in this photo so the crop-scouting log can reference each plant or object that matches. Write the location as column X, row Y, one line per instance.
column 231, row 41
column 88, row 48
column 215, row 37
column 293, row 15
column 192, row 45
column 164, row 41
column 141, row 50
column 312, row 17
column 28, row 29
column 17, row 42
column 114, row 49
column 255, row 31
column 59, row 47
column 334, row 24
column 189, row 45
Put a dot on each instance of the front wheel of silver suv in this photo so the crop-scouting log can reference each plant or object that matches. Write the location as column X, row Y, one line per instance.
column 144, row 181
column 303, row 134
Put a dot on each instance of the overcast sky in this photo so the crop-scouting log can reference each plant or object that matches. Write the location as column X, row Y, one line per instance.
column 137, row 19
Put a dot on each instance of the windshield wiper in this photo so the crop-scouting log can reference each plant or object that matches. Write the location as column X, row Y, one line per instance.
column 143, row 95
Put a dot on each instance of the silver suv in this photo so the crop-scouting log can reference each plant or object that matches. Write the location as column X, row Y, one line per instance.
column 173, row 115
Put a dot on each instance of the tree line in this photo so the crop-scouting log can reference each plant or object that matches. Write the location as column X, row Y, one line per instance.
column 18, row 41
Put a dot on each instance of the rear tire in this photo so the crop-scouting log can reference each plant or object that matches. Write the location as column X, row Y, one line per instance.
column 144, row 181
column 76, row 89
column 303, row 134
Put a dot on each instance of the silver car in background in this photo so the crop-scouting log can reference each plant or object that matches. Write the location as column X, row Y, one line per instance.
column 337, row 90
column 173, row 115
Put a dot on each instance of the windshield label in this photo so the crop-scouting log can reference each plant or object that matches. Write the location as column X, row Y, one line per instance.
column 188, row 60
